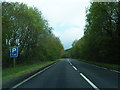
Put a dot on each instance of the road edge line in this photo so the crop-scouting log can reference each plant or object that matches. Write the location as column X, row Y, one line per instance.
column 22, row 82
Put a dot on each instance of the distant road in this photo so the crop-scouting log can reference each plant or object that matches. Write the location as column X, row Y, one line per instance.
column 70, row 73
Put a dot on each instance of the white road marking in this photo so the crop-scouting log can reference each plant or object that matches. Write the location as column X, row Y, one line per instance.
column 95, row 87
column 106, row 69
column 31, row 77
column 74, row 67
column 99, row 67
column 115, row 71
column 70, row 62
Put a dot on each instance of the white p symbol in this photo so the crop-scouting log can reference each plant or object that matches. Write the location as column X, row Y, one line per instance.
column 14, row 49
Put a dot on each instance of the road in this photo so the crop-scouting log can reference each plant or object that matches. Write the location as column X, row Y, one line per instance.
column 70, row 73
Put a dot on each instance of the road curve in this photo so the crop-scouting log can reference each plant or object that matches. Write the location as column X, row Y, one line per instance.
column 70, row 73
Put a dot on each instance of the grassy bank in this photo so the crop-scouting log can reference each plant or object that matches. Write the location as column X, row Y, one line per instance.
column 106, row 65
column 11, row 73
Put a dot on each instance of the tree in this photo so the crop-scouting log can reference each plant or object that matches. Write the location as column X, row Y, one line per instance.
column 101, row 34
column 25, row 27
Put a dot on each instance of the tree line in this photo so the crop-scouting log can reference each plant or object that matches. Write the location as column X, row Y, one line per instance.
column 101, row 40
column 25, row 27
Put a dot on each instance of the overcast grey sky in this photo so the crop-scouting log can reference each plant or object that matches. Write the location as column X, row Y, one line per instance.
column 67, row 17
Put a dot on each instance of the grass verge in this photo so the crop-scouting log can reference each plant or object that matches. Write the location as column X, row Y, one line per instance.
column 11, row 73
column 106, row 65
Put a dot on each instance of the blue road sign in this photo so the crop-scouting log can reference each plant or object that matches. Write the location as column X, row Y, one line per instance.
column 13, row 51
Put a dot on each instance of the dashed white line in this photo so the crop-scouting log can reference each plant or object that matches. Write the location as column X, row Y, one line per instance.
column 30, row 77
column 95, row 87
column 70, row 62
column 74, row 67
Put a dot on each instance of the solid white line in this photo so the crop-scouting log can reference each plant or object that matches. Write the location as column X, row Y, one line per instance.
column 106, row 69
column 30, row 77
column 100, row 67
column 74, row 67
column 115, row 71
column 96, row 88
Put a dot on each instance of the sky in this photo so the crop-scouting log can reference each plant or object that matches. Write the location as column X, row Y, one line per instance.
column 67, row 17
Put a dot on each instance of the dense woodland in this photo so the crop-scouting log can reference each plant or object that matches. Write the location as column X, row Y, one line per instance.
column 25, row 27
column 101, row 40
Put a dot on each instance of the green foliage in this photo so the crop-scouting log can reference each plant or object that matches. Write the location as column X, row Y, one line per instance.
column 67, row 53
column 11, row 73
column 101, row 34
column 25, row 27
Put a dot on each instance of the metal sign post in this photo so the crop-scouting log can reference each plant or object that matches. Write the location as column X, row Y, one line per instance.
column 14, row 54
column 14, row 62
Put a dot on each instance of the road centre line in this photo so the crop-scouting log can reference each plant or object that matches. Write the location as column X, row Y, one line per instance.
column 74, row 67
column 30, row 77
column 95, row 87
column 70, row 62
column 99, row 67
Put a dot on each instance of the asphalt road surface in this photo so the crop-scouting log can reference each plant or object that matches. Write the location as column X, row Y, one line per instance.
column 70, row 73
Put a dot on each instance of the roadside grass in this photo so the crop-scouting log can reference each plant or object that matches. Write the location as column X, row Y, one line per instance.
column 106, row 65
column 10, row 73
column 61, row 59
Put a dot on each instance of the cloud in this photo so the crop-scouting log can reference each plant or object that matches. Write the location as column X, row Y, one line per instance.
column 67, row 12
column 67, row 17
column 70, row 35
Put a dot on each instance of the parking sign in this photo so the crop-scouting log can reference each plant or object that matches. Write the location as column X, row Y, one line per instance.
column 13, row 51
